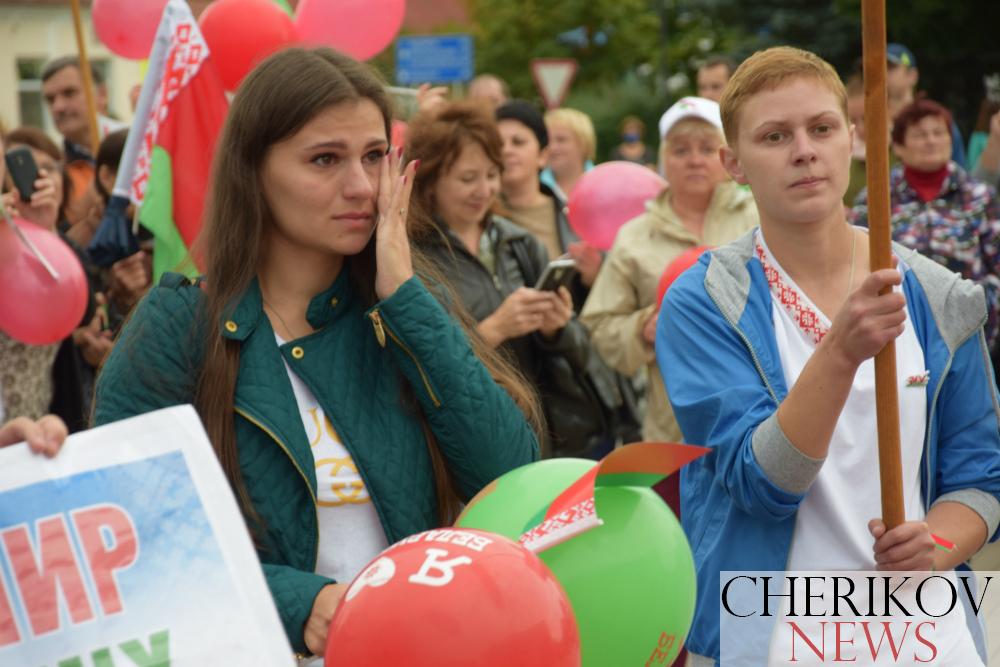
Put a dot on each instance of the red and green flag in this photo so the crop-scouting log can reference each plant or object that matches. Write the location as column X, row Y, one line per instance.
column 574, row 511
column 169, row 152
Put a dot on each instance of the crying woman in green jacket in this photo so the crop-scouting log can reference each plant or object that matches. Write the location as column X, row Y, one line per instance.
column 348, row 408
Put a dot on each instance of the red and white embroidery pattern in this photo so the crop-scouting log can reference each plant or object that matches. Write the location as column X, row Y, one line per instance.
column 561, row 527
column 794, row 303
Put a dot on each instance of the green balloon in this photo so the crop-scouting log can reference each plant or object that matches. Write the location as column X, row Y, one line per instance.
column 631, row 580
column 509, row 504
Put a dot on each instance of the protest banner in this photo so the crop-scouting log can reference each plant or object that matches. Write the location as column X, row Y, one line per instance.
column 128, row 549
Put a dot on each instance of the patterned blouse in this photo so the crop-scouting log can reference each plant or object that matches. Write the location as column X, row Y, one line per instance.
column 959, row 229
column 26, row 377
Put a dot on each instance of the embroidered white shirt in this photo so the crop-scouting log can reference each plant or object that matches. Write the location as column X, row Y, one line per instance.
column 831, row 525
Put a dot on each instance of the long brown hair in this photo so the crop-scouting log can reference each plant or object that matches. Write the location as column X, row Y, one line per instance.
column 275, row 101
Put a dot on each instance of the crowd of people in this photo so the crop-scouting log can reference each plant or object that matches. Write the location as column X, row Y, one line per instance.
column 387, row 307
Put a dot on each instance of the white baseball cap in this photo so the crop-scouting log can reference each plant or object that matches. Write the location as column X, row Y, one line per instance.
column 690, row 107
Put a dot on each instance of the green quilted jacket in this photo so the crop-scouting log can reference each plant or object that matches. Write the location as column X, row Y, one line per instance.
column 356, row 364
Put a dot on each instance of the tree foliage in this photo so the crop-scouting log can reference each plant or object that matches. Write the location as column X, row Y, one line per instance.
column 607, row 37
column 639, row 55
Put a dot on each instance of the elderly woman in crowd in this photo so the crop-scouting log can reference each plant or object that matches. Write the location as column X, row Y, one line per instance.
column 939, row 210
column 701, row 206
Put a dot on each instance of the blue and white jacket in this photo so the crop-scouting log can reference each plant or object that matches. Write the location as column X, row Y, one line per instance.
column 715, row 344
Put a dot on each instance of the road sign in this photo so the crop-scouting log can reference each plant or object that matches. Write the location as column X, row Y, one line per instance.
column 553, row 77
column 433, row 59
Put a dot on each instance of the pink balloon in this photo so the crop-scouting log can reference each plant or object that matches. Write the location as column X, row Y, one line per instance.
column 608, row 196
column 127, row 27
column 359, row 28
column 35, row 308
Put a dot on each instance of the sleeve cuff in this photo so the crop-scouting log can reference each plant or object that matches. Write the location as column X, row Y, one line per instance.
column 980, row 502
column 647, row 351
column 782, row 462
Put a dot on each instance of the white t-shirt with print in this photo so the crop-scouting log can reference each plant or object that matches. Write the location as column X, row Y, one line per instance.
column 350, row 533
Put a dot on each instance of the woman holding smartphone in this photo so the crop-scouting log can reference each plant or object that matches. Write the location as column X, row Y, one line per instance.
column 496, row 266
column 38, row 379
column 322, row 366
column 60, row 381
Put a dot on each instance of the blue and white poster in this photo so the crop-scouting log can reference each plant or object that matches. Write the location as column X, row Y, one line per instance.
column 128, row 549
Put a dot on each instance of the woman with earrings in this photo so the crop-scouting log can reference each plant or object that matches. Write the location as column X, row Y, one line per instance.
column 348, row 407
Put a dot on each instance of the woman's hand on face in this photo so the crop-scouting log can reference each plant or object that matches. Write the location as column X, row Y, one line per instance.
column 868, row 320
column 522, row 312
column 559, row 315
column 42, row 209
column 394, row 265
column 588, row 261
column 45, row 436
column 318, row 623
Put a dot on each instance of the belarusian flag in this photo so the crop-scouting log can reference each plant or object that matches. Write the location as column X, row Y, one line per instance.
column 178, row 118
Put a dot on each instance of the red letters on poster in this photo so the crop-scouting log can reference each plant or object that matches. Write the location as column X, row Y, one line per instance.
column 48, row 568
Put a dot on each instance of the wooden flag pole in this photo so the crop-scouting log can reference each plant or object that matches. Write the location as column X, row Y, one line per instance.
column 880, row 252
column 88, row 80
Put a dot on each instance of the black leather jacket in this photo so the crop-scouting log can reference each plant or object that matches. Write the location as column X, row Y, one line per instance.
column 577, row 389
column 567, row 236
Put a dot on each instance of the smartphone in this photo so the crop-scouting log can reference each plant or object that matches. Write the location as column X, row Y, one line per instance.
column 558, row 273
column 23, row 170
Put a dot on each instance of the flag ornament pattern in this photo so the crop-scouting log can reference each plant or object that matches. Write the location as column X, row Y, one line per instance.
column 574, row 511
column 942, row 544
column 188, row 51
column 182, row 109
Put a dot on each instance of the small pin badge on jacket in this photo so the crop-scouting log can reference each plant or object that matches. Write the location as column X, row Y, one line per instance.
column 918, row 380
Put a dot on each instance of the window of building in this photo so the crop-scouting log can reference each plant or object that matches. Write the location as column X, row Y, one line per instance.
column 31, row 104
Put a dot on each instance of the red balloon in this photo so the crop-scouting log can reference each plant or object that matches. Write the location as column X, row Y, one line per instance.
column 241, row 33
column 36, row 308
column 608, row 196
column 452, row 598
column 127, row 27
column 679, row 265
column 359, row 28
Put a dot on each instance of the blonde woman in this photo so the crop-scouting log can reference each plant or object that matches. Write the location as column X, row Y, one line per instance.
column 572, row 149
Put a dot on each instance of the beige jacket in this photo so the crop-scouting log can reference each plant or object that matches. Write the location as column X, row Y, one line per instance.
column 624, row 294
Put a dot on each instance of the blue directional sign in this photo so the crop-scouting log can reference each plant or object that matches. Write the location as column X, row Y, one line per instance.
column 433, row 59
